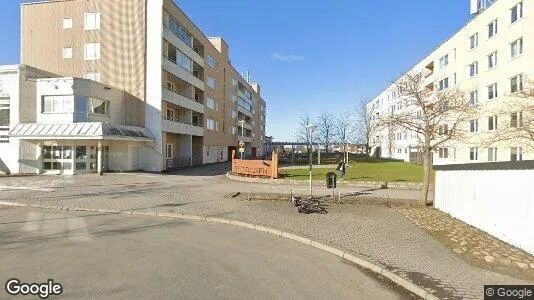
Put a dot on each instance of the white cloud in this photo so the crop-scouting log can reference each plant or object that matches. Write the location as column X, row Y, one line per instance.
column 286, row 57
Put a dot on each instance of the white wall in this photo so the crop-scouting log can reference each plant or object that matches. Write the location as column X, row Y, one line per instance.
column 215, row 154
column 9, row 88
column 499, row 202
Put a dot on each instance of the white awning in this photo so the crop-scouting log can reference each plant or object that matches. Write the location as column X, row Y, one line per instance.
column 86, row 130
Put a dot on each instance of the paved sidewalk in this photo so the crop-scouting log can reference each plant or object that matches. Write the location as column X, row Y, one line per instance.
column 373, row 232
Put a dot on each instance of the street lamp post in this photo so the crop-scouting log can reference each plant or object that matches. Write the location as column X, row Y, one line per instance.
column 242, row 123
column 311, row 129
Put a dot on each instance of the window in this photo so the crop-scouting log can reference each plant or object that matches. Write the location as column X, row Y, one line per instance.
column 67, row 52
column 492, row 154
column 473, row 69
column 516, row 119
column 184, row 61
column 211, row 124
column 179, row 31
column 4, row 112
column 516, row 83
column 92, row 20
column 234, row 114
column 473, row 125
column 516, row 12
column 211, row 82
column 473, row 41
column 233, row 129
column 443, row 84
column 516, row 48
column 168, row 151
column 67, row 23
column 492, row 123
column 92, row 75
column 170, row 114
column 473, row 98
column 171, row 86
column 99, row 106
column 234, row 81
column 473, row 153
column 492, row 91
column 492, row 60
column 57, row 104
column 492, row 28
column 92, row 51
column 443, row 152
column 212, row 104
column 516, row 154
column 444, row 61
column 212, row 62
column 443, row 129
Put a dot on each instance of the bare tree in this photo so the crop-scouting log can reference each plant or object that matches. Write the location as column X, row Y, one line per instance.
column 367, row 123
column 437, row 117
column 326, row 129
column 301, row 134
column 513, row 119
column 345, row 130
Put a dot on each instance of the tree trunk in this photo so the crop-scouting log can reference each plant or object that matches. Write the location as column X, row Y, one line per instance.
column 427, row 162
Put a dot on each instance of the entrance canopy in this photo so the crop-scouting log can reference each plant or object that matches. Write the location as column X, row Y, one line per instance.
column 85, row 130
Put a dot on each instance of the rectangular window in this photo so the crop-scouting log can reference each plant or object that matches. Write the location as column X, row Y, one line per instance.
column 92, row 20
column 234, row 130
column 473, row 69
column 184, row 61
column 444, row 61
column 179, row 31
column 516, row 12
column 492, row 91
column 443, row 152
column 81, row 152
column 473, row 41
column 234, row 81
column 492, row 154
column 67, row 52
column 492, row 123
column 95, row 76
column 516, row 154
column 67, row 23
column 473, row 98
column 516, row 48
column 4, row 113
column 211, row 124
column 443, row 129
column 492, row 28
column 516, row 119
column 492, row 60
column 212, row 104
column 168, row 151
column 99, row 106
column 211, row 82
column 170, row 114
column 473, row 125
column 212, row 62
column 516, row 83
column 57, row 104
column 443, row 84
column 92, row 51
column 473, row 153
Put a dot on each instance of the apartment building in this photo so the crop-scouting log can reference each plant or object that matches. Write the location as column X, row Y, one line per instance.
column 194, row 97
column 489, row 59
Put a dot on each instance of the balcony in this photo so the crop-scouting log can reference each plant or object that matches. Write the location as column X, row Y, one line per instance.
column 181, row 73
column 246, row 126
column 246, row 139
column 181, row 128
column 190, row 52
column 244, row 111
column 182, row 101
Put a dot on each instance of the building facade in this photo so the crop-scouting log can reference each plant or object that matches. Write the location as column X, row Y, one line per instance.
column 194, row 97
column 489, row 59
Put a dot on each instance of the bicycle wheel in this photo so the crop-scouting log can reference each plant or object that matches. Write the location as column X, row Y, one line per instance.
column 316, row 209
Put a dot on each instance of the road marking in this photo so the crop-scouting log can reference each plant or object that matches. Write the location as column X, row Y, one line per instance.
column 5, row 187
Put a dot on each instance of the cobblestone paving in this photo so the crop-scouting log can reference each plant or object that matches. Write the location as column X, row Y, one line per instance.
column 472, row 244
column 374, row 232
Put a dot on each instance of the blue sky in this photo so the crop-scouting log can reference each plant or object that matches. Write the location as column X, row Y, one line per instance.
column 308, row 56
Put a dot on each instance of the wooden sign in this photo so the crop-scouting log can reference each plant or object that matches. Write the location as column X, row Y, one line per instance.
column 267, row 168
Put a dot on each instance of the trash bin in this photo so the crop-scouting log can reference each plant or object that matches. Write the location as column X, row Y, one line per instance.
column 331, row 180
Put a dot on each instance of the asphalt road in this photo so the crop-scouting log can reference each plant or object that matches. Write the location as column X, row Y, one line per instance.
column 102, row 256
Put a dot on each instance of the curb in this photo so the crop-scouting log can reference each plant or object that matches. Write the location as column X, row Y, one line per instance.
column 362, row 184
column 405, row 283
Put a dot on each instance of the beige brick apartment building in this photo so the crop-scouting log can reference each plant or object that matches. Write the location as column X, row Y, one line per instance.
column 150, row 49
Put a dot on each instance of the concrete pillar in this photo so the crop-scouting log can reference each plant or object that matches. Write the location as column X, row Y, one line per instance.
column 318, row 154
column 191, row 150
column 99, row 159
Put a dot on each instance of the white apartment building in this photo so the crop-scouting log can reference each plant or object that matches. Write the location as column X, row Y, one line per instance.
column 489, row 59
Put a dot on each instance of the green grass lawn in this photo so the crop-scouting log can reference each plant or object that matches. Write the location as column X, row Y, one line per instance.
column 374, row 170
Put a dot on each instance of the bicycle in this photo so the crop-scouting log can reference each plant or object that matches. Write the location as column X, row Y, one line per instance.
column 307, row 206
